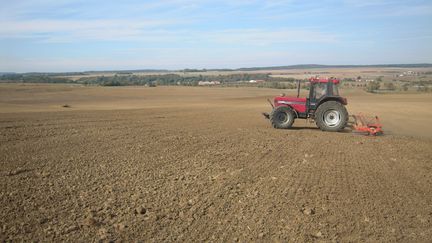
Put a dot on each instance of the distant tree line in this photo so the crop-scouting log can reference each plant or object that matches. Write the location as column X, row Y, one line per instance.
column 379, row 85
column 237, row 79
column 33, row 78
column 168, row 79
column 123, row 79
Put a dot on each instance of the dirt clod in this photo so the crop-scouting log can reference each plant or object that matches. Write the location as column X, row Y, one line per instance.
column 308, row 211
column 90, row 221
column 71, row 229
column 103, row 233
column 44, row 174
column 42, row 220
column 17, row 171
column 120, row 226
column 140, row 210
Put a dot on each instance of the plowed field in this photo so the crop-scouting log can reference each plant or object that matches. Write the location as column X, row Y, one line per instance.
column 201, row 164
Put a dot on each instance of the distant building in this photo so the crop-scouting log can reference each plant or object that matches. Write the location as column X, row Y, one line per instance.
column 408, row 73
column 208, row 83
column 256, row 81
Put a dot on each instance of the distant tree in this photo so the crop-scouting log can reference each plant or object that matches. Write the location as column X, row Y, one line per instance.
column 389, row 86
column 372, row 86
column 423, row 88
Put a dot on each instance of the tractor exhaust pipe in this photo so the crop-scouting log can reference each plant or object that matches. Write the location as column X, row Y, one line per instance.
column 298, row 88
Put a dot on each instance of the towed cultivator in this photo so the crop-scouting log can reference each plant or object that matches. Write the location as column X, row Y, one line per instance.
column 366, row 125
column 324, row 106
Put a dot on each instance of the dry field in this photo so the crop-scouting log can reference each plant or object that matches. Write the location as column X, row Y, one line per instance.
column 201, row 164
column 365, row 72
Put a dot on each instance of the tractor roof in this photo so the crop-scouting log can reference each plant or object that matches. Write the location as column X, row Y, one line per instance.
column 324, row 80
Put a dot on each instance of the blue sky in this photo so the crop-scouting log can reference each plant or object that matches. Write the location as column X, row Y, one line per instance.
column 63, row 35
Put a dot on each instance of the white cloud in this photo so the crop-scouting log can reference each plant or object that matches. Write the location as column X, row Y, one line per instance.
column 82, row 30
column 368, row 3
column 268, row 37
column 417, row 10
column 389, row 8
column 148, row 30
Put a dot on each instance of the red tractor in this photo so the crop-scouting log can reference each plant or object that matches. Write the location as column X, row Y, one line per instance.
column 324, row 105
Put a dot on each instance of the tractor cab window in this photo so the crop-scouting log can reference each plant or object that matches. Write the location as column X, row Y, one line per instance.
column 335, row 90
column 319, row 90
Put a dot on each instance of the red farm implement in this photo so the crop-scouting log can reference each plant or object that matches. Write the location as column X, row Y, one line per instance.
column 364, row 124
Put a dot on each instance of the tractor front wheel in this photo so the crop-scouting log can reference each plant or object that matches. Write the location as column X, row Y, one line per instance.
column 331, row 116
column 282, row 117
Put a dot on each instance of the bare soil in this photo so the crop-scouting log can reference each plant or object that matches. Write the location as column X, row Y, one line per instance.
column 201, row 164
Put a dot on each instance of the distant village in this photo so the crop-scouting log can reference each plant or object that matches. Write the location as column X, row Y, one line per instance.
column 210, row 83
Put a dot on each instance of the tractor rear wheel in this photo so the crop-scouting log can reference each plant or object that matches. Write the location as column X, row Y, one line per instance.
column 331, row 116
column 282, row 117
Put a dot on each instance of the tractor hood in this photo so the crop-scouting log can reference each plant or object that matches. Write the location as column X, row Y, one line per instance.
column 281, row 100
column 298, row 104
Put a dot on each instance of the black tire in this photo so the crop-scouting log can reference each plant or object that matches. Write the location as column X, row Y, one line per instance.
column 331, row 116
column 282, row 117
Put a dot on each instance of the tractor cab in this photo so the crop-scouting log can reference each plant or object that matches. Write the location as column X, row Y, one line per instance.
column 321, row 90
